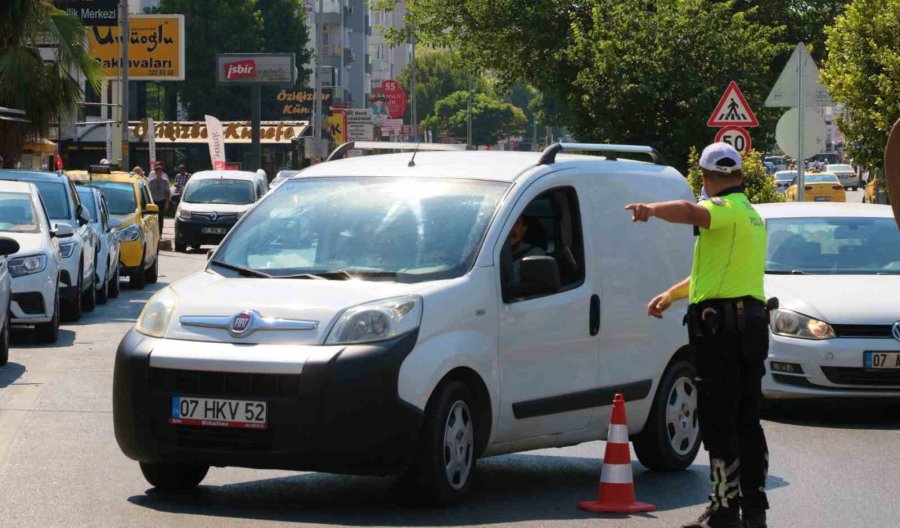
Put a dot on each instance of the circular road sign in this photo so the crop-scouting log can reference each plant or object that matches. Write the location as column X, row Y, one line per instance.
column 788, row 128
column 735, row 136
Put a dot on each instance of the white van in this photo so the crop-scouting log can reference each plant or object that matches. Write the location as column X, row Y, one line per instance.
column 374, row 316
column 212, row 202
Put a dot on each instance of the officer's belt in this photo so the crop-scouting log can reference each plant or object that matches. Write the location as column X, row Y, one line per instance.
column 724, row 315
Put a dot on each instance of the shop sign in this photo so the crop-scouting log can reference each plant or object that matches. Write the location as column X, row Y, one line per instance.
column 255, row 68
column 155, row 48
column 359, row 124
column 270, row 132
column 299, row 104
column 92, row 12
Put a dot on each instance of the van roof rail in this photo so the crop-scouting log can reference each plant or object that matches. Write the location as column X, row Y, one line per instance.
column 548, row 157
column 388, row 145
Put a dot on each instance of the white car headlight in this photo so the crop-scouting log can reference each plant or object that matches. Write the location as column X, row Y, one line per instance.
column 157, row 313
column 793, row 324
column 184, row 214
column 66, row 249
column 27, row 265
column 377, row 321
column 130, row 233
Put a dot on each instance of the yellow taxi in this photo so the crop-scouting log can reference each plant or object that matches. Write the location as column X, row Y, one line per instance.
column 129, row 201
column 818, row 187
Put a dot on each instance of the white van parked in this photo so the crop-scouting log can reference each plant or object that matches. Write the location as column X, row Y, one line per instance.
column 384, row 315
column 212, row 202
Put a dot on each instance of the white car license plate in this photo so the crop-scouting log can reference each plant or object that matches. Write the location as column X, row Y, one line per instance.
column 210, row 412
column 213, row 230
column 882, row 360
column 823, row 198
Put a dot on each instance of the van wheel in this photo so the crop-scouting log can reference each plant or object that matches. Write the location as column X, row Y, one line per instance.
column 114, row 283
column 153, row 272
column 138, row 279
column 89, row 297
column 180, row 247
column 173, row 477
column 49, row 332
column 445, row 462
column 671, row 437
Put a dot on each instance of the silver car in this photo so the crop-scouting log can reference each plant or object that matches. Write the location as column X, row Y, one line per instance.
column 107, row 255
column 845, row 174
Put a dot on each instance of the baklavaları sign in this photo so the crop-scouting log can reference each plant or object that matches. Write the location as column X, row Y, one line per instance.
column 155, row 48
column 255, row 68
column 92, row 12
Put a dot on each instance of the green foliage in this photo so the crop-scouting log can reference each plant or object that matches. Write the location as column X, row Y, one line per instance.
column 758, row 186
column 232, row 26
column 863, row 74
column 491, row 118
column 803, row 21
column 48, row 92
column 439, row 74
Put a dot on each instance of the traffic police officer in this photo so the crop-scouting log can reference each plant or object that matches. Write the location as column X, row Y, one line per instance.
column 727, row 323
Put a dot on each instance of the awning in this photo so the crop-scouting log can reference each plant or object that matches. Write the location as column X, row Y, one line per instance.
column 44, row 146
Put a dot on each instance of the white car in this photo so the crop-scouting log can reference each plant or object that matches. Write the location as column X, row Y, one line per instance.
column 845, row 174
column 77, row 283
column 375, row 315
column 783, row 180
column 835, row 269
column 36, row 267
column 8, row 246
column 105, row 229
column 212, row 202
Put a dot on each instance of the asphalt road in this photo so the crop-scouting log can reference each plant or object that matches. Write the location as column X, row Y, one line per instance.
column 831, row 464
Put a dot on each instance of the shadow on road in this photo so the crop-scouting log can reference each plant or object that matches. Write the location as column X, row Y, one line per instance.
column 512, row 488
column 9, row 373
column 837, row 414
column 26, row 338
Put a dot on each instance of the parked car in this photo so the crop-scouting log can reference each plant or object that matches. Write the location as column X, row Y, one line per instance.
column 819, row 187
column 846, row 175
column 128, row 198
column 36, row 267
column 77, row 289
column 835, row 269
column 107, row 257
column 780, row 162
column 367, row 317
column 783, row 180
column 213, row 202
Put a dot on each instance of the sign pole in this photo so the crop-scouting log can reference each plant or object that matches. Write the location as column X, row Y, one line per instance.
column 255, row 148
column 801, row 190
column 317, row 97
column 123, row 110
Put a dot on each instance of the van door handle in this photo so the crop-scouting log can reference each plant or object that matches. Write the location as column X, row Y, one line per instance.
column 595, row 314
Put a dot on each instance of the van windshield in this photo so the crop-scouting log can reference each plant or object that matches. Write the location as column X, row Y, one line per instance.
column 219, row 191
column 405, row 230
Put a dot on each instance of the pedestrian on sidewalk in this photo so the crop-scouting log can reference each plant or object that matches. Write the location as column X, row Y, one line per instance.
column 728, row 330
column 181, row 179
column 160, row 193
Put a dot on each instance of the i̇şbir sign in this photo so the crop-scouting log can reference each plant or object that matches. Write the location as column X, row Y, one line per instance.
column 155, row 48
column 255, row 68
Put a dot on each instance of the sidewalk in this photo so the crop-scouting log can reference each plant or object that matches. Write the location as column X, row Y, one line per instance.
column 167, row 242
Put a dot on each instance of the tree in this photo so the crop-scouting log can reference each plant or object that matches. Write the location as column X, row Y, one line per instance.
column 632, row 71
column 758, row 185
column 491, row 118
column 439, row 74
column 232, row 26
column 48, row 92
column 863, row 74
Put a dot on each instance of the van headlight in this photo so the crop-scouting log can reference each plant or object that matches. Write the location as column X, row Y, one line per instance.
column 157, row 313
column 27, row 265
column 793, row 324
column 377, row 321
column 184, row 214
column 130, row 233
column 66, row 250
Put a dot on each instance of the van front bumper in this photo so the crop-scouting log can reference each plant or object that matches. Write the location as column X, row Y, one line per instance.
column 197, row 233
column 329, row 412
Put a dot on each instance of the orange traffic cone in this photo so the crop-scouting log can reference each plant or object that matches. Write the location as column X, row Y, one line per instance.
column 616, row 484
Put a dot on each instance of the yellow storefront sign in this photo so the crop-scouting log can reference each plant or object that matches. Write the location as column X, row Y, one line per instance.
column 155, row 48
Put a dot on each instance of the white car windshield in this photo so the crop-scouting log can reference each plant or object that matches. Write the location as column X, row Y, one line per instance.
column 836, row 246
column 17, row 213
column 219, row 191
column 405, row 230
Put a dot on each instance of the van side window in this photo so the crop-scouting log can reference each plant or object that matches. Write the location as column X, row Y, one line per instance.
column 549, row 227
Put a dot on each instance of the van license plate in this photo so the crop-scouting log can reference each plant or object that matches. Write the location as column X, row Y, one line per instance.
column 213, row 230
column 209, row 412
column 882, row 360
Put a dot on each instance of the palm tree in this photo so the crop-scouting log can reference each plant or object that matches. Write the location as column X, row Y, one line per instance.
column 48, row 92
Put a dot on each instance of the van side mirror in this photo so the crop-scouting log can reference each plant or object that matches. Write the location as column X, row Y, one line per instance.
column 540, row 275
column 8, row 246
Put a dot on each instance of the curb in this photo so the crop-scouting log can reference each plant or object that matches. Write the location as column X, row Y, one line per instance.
column 166, row 244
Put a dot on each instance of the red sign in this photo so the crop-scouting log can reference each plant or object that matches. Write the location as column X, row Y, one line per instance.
column 737, row 137
column 240, row 70
column 395, row 98
column 732, row 110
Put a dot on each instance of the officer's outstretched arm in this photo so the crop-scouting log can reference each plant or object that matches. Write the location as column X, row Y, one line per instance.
column 677, row 212
column 664, row 300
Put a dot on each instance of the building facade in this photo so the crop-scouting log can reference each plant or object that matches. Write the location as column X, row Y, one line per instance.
column 344, row 57
column 387, row 61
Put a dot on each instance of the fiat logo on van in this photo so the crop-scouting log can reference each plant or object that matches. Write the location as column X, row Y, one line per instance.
column 241, row 324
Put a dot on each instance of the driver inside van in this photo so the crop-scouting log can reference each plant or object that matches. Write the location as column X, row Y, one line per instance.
column 516, row 248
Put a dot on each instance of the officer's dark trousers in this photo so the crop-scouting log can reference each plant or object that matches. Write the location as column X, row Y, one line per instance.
column 730, row 367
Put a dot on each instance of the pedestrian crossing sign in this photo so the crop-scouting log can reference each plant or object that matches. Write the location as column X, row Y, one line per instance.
column 732, row 110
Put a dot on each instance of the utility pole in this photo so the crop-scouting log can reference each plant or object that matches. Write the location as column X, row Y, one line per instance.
column 414, row 126
column 469, row 112
column 123, row 110
column 801, row 189
column 317, row 93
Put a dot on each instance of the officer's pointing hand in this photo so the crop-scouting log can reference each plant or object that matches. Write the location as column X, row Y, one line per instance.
column 658, row 305
column 640, row 212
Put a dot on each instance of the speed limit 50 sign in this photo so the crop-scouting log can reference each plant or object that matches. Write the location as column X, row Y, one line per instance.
column 735, row 136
